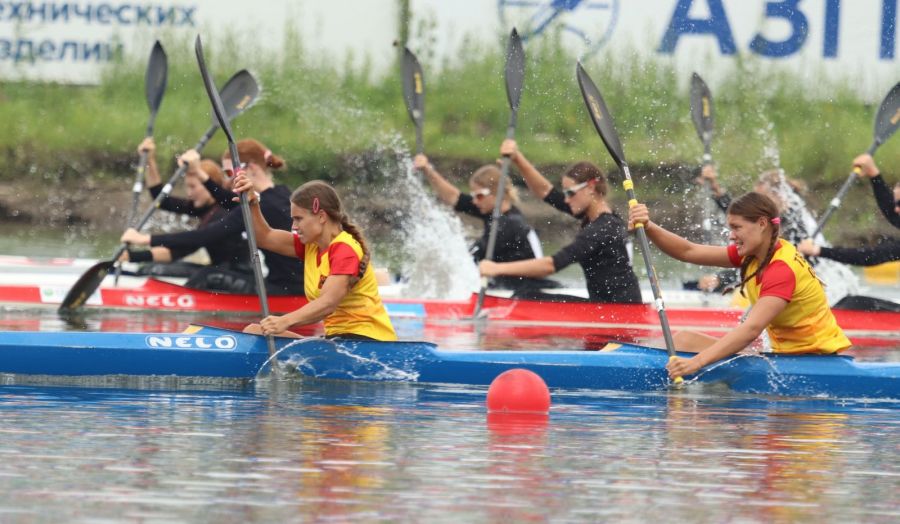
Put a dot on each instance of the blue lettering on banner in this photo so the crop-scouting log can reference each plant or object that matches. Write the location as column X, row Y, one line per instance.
column 103, row 13
column 832, row 27
column 888, row 29
column 224, row 342
column 786, row 9
column 24, row 50
column 716, row 25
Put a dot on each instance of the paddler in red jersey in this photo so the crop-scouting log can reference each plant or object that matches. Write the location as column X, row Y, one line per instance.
column 786, row 297
column 338, row 279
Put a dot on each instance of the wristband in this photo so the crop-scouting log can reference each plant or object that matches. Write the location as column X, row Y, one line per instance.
column 139, row 255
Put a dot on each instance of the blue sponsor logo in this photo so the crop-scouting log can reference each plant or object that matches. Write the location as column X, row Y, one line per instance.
column 590, row 23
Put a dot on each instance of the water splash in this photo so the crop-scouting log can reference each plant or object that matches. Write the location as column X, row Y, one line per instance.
column 798, row 223
column 427, row 245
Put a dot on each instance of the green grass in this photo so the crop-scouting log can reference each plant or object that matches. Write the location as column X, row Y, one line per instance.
column 316, row 113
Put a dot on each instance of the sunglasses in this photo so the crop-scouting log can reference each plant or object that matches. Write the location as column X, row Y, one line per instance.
column 570, row 192
column 481, row 193
column 897, row 203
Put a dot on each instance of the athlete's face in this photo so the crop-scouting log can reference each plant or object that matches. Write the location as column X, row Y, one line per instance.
column 749, row 236
column 307, row 224
column 197, row 192
column 578, row 194
column 483, row 197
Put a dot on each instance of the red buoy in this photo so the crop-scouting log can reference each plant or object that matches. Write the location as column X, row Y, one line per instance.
column 518, row 391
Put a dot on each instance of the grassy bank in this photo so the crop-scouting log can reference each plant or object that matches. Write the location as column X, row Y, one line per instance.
column 321, row 117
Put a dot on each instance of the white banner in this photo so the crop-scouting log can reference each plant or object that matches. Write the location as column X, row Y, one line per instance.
column 72, row 41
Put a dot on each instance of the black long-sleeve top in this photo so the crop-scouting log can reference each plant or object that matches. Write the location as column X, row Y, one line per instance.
column 600, row 249
column 884, row 196
column 886, row 251
column 229, row 250
column 285, row 275
column 514, row 240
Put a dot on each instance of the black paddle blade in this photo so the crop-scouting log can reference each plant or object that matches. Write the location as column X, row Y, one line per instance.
column 238, row 94
column 701, row 109
column 600, row 115
column 888, row 118
column 157, row 73
column 515, row 69
column 85, row 286
column 413, row 87
column 213, row 94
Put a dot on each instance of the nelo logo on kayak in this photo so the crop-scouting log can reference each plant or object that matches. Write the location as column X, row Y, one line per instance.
column 191, row 342
column 165, row 300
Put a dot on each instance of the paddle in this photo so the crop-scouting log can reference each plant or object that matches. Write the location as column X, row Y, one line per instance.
column 515, row 74
column 154, row 87
column 702, row 115
column 222, row 117
column 605, row 127
column 238, row 94
column 414, row 94
column 887, row 120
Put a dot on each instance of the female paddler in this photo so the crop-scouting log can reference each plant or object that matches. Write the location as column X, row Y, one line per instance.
column 786, row 297
column 338, row 279
column 599, row 247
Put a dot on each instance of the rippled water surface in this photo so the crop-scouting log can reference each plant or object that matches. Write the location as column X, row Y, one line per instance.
column 318, row 450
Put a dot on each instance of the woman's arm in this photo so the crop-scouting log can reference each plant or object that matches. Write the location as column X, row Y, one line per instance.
column 274, row 240
column 675, row 246
column 333, row 291
column 762, row 313
column 535, row 181
column 151, row 176
column 447, row 192
column 532, row 267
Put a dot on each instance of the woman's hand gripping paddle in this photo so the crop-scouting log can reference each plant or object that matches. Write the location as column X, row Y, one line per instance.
column 238, row 95
column 887, row 120
column 222, row 117
column 604, row 125
column 515, row 76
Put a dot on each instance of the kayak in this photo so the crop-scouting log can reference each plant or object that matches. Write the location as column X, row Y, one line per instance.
column 213, row 352
column 622, row 321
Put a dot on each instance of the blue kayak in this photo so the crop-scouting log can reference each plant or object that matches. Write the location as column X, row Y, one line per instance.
column 213, row 352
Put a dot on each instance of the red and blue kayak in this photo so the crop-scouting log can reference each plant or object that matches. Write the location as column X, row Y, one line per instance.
column 622, row 321
column 214, row 352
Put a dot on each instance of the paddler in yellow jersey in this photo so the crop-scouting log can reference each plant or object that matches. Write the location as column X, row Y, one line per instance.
column 786, row 297
column 338, row 279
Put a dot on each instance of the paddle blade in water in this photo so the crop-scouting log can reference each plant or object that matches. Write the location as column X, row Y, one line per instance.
column 515, row 69
column 888, row 118
column 86, row 285
column 157, row 73
column 701, row 109
column 213, row 94
column 600, row 115
column 413, row 87
column 238, row 94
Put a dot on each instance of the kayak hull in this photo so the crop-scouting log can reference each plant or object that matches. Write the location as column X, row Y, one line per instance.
column 214, row 352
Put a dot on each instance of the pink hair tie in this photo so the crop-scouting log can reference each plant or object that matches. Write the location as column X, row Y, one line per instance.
column 776, row 221
column 315, row 208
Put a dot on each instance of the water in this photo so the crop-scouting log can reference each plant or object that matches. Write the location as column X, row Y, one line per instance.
column 322, row 451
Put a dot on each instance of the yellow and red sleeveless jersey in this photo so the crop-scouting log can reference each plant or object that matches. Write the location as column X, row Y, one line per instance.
column 361, row 311
column 806, row 324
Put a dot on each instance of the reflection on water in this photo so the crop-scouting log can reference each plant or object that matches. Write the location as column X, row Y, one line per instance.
column 399, row 452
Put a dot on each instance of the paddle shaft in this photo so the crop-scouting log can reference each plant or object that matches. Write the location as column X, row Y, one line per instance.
column 495, row 215
column 628, row 184
column 708, row 208
column 836, row 201
column 254, row 251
